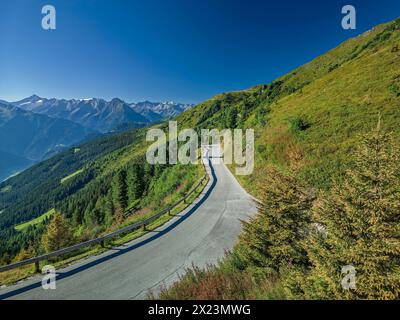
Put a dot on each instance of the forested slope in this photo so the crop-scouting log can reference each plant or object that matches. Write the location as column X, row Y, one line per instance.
column 94, row 186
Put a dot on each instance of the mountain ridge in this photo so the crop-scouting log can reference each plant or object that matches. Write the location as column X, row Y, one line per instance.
column 95, row 114
column 101, row 115
column 84, row 117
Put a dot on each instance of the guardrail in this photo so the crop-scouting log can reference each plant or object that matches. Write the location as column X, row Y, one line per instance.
column 101, row 239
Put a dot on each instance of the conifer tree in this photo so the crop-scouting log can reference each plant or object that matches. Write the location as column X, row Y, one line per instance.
column 231, row 118
column 58, row 234
column 109, row 209
column 118, row 215
column 272, row 240
column 361, row 227
column 135, row 183
column 122, row 190
column 25, row 253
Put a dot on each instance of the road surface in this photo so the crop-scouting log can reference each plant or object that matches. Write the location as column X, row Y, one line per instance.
column 200, row 235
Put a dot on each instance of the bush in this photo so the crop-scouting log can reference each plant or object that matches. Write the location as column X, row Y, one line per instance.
column 298, row 124
column 395, row 89
column 219, row 283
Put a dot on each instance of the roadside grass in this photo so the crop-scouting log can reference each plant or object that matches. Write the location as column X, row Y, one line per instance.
column 40, row 219
column 220, row 282
column 13, row 276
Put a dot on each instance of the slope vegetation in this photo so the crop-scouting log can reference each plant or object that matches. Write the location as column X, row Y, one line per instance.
column 327, row 176
column 310, row 118
column 96, row 187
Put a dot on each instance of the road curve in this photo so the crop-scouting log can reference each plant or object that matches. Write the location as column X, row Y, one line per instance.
column 200, row 235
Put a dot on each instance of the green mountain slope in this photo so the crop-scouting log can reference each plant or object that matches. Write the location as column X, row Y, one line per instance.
column 331, row 195
column 310, row 118
column 93, row 185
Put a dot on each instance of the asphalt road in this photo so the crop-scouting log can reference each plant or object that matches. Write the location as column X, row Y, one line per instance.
column 200, row 235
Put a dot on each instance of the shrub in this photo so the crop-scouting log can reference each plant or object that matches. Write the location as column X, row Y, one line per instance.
column 298, row 124
column 395, row 89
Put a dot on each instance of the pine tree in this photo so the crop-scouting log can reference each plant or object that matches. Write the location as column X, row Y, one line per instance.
column 122, row 190
column 109, row 209
column 99, row 211
column 58, row 234
column 360, row 220
column 272, row 240
column 25, row 253
column 77, row 217
column 231, row 118
column 118, row 215
column 135, row 183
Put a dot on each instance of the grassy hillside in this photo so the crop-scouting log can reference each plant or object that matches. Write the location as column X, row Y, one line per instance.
column 33, row 222
column 309, row 119
column 327, row 178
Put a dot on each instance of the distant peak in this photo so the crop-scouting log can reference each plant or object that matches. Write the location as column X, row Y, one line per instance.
column 116, row 100
column 34, row 97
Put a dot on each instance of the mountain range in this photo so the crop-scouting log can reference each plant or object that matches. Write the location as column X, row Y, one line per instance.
column 101, row 115
column 159, row 111
column 35, row 128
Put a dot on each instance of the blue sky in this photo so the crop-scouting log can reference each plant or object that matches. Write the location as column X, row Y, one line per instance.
column 158, row 50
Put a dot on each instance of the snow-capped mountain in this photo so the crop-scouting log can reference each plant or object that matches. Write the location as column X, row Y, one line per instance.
column 101, row 115
column 97, row 114
column 157, row 111
column 35, row 127
column 30, row 103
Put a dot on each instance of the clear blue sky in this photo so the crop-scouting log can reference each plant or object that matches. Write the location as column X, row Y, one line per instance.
column 184, row 50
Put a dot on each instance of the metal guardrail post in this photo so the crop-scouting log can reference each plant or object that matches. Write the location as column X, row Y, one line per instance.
column 37, row 267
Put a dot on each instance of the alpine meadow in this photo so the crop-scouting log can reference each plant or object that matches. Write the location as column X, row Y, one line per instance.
column 327, row 163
